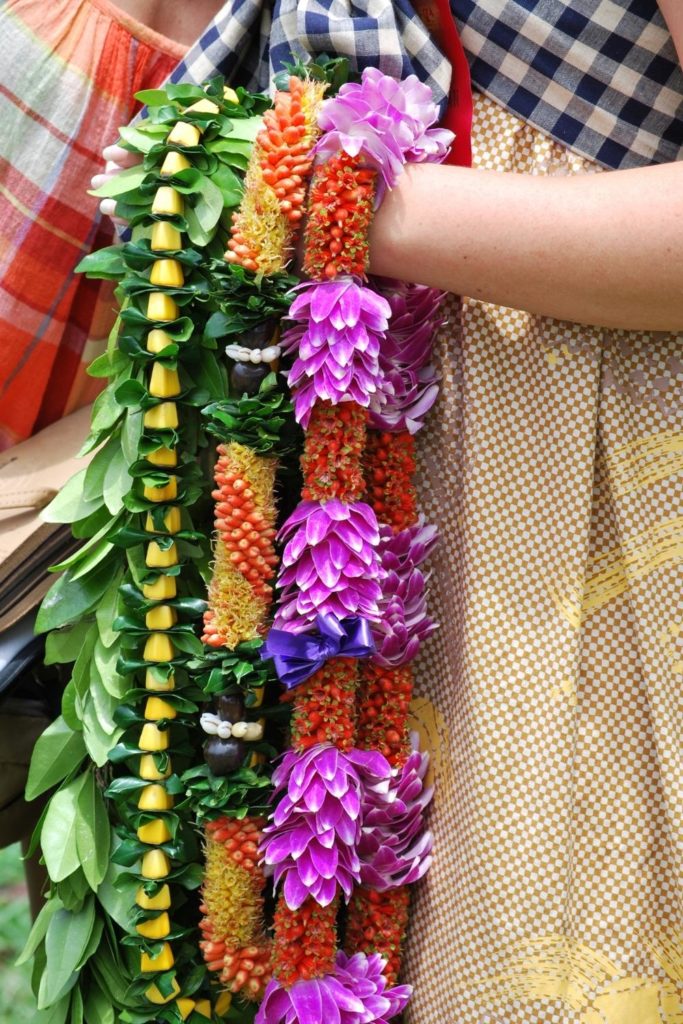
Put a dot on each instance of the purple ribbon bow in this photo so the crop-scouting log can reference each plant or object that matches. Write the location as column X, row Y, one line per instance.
column 298, row 655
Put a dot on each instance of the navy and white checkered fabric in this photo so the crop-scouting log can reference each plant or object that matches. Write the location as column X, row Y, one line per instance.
column 600, row 76
column 250, row 40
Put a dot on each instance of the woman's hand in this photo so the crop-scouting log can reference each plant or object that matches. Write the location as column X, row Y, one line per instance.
column 116, row 159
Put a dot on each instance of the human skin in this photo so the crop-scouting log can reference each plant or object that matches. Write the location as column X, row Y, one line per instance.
column 182, row 22
column 602, row 249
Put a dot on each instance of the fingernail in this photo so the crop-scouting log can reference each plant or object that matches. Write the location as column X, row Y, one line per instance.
column 97, row 180
column 107, row 207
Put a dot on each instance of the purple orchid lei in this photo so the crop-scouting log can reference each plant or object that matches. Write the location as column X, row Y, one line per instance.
column 347, row 818
column 405, row 356
column 355, row 992
column 388, row 122
column 403, row 621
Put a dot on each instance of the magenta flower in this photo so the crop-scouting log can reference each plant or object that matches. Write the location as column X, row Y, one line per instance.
column 387, row 121
column 405, row 356
column 404, row 622
column 355, row 992
column 337, row 331
column 394, row 848
column 330, row 564
column 316, row 826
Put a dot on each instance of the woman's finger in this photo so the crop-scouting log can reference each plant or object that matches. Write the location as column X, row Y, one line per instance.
column 120, row 156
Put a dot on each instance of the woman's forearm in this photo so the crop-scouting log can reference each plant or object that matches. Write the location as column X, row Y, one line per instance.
column 603, row 249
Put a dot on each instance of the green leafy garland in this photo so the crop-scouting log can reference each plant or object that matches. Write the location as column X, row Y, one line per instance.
column 124, row 751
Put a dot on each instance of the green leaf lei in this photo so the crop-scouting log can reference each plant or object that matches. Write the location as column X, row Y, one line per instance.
column 85, row 945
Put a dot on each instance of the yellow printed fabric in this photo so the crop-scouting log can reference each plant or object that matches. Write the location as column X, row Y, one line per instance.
column 552, row 692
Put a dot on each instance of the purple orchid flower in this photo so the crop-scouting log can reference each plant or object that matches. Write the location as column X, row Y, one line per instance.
column 386, row 121
column 405, row 355
column 394, row 848
column 355, row 992
column 330, row 564
column 337, row 332
column 404, row 623
column 316, row 825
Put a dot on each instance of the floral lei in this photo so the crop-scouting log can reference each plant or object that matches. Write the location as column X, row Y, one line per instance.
column 310, row 589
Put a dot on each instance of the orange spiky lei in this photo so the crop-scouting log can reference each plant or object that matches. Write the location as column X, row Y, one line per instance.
column 265, row 226
column 234, row 941
column 245, row 559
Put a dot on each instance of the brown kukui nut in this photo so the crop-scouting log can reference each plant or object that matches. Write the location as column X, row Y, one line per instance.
column 224, row 756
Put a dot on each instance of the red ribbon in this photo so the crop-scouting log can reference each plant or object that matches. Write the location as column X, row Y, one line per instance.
column 438, row 18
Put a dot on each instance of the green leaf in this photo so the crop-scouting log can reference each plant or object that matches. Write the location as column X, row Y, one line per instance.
column 246, row 128
column 105, row 659
column 105, row 263
column 151, row 98
column 79, row 556
column 106, row 613
column 229, row 184
column 196, row 233
column 70, row 505
column 76, row 1007
column 105, row 410
column 98, row 1007
column 69, row 698
column 57, row 752
column 210, row 204
column 62, row 646
column 137, row 139
column 58, row 834
column 92, row 833
column 116, row 894
column 124, row 181
column 184, row 92
column 105, row 704
column 93, row 942
column 67, row 600
column 117, row 482
column 107, row 365
column 131, row 432
column 81, row 670
column 97, row 739
column 95, row 473
column 55, row 1014
column 73, row 890
column 131, row 393
column 37, row 933
column 65, row 942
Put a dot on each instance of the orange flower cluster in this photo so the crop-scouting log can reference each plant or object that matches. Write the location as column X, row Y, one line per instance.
column 331, row 462
column 233, row 940
column 240, row 592
column 390, row 464
column 339, row 214
column 264, row 227
column 383, row 708
column 305, row 941
column 377, row 923
column 324, row 706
